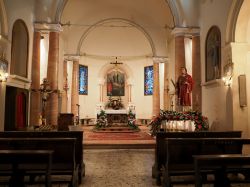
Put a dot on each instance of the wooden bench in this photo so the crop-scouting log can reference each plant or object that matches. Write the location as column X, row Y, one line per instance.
column 180, row 151
column 10, row 160
column 55, row 134
column 160, row 148
column 221, row 165
column 63, row 161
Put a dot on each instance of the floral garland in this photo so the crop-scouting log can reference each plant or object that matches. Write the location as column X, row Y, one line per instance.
column 201, row 122
column 132, row 120
column 102, row 120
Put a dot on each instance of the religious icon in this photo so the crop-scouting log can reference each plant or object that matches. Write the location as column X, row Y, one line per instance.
column 115, row 83
column 213, row 61
column 184, row 87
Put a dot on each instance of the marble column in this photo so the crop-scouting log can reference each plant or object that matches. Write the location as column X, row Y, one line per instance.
column 179, row 55
column 156, row 90
column 196, row 73
column 35, row 78
column 65, row 87
column 101, row 92
column 129, row 93
column 52, row 76
column 74, row 90
column 166, row 88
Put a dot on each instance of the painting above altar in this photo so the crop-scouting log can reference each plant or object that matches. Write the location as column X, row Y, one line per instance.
column 115, row 83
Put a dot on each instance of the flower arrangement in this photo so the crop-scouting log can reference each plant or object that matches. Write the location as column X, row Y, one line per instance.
column 101, row 120
column 132, row 120
column 201, row 122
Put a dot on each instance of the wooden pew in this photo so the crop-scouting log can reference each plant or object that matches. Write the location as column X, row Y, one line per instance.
column 10, row 160
column 180, row 151
column 160, row 148
column 55, row 134
column 221, row 165
column 63, row 161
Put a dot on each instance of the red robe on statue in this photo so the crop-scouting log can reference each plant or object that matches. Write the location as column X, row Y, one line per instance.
column 184, row 88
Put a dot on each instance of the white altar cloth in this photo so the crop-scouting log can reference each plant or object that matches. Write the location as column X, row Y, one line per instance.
column 124, row 111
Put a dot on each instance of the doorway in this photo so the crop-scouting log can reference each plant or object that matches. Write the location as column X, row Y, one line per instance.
column 16, row 108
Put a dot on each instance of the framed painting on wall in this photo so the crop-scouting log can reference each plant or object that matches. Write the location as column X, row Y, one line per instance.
column 213, row 54
column 83, row 80
column 148, row 80
column 115, row 83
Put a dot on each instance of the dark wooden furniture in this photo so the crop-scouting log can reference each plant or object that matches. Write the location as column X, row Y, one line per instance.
column 55, row 134
column 11, row 162
column 65, row 120
column 160, row 148
column 220, row 164
column 180, row 151
column 63, row 161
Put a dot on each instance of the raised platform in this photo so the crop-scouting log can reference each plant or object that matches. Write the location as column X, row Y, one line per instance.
column 118, row 140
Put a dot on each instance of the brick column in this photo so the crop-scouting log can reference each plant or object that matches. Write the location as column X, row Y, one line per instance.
column 52, row 75
column 179, row 55
column 196, row 73
column 156, row 90
column 35, row 78
column 75, row 87
column 65, row 87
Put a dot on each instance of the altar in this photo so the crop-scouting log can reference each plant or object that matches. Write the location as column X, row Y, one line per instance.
column 117, row 117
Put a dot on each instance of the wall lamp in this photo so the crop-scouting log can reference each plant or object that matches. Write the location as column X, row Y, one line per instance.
column 228, row 74
column 3, row 77
column 3, row 70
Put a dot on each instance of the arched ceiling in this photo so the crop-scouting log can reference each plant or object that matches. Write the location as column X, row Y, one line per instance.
column 152, row 15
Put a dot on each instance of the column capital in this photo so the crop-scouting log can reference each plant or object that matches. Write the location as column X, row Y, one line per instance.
column 186, row 31
column 72, row 57
column 101, row 81
column 48, row 27
column 160, row 59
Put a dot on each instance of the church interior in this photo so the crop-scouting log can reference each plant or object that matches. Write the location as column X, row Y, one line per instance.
column 125, row 89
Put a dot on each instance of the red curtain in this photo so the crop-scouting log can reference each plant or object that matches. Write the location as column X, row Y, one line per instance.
column 20, row 111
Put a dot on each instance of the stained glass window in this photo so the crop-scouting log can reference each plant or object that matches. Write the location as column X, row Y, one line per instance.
column 148, row 80
column 83, row 80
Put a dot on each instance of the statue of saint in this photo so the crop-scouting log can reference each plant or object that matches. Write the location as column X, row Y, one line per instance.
column 184, row 88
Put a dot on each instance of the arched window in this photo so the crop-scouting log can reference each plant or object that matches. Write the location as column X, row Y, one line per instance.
column 213, row 54
column 19, row 49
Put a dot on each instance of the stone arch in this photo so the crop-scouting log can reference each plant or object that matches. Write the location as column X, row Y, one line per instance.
column 121, row 20
column 232, row 20
column 174, row 12
column 241, row 25
column 19, row 49
column 3, row 19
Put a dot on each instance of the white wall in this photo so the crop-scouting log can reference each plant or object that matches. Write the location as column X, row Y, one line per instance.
column 16, row 9
column 214, row 96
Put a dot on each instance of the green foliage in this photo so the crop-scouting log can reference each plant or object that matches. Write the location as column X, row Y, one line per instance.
column 132, row 120
column 101, row 120
column 201, row 122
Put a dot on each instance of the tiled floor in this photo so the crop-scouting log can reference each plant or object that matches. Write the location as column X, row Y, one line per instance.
column 118, row 167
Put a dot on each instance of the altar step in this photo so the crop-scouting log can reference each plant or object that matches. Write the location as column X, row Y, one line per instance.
column 116, row 130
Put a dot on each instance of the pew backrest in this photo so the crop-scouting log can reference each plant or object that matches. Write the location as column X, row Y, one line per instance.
column 160, row 149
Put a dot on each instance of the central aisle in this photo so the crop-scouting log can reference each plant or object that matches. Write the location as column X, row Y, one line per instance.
column 118, row 167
